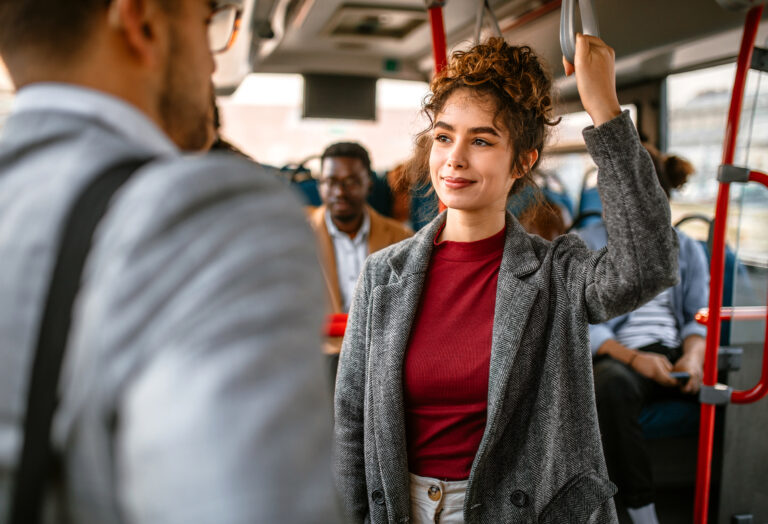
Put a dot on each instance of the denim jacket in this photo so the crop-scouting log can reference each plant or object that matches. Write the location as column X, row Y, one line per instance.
column 688, row 296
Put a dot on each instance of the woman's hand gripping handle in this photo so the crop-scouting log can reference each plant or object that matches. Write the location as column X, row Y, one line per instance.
column 595, row 78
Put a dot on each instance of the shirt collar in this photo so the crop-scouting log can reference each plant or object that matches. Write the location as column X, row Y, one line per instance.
column 362, row 233
column 113, row 112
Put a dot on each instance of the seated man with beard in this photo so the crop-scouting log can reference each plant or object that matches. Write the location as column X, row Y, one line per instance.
column 347, row 229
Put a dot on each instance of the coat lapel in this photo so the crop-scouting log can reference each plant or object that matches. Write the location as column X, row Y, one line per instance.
column 327, row 257
column 389, row 337
column 378, row 237
column 514, row 302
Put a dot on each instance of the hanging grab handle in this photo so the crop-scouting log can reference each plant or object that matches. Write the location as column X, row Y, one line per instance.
column 568, row 23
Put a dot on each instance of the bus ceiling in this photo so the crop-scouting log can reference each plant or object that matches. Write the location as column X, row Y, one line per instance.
column 391, row 39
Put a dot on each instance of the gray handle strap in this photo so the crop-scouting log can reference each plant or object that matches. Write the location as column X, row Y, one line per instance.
column 568, row 25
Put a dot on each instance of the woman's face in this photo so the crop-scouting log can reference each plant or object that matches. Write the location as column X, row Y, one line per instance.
column 470, row 163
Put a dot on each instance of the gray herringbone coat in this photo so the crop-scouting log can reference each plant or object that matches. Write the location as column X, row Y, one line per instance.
column 540, row 458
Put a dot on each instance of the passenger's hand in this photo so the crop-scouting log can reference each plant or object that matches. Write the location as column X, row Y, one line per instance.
column 655, row 367
column 692, row 364
column 595, row 78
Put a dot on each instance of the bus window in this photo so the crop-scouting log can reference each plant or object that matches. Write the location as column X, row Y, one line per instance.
column 566, row 156
column 697, row 106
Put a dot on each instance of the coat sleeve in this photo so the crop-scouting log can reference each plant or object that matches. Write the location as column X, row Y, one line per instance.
column 349, row 406
column 640, row 258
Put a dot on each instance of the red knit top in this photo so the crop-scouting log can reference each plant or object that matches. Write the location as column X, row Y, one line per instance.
column 447, row 361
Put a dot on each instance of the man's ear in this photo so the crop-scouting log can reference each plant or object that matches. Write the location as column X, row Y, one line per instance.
column 139, row 23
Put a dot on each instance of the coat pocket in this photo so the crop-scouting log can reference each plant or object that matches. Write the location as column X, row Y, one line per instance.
column 578, row 499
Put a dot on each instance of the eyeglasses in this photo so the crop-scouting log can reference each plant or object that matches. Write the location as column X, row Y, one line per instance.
column 224, row 26
column 347, row 184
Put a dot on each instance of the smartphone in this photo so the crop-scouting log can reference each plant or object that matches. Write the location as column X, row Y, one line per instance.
column 681, row 376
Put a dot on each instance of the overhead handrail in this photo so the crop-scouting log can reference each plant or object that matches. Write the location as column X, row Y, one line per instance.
column 711, row 393
column 568, row 25
column 484, row 7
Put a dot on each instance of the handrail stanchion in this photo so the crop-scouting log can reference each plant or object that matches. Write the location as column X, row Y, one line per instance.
column 439, row 49
column 707, row 422
column 435, row 8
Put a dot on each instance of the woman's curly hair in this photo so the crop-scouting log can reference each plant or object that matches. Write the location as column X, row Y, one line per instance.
column 514, row 81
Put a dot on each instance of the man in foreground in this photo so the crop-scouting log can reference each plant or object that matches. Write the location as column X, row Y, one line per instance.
column 191, row 388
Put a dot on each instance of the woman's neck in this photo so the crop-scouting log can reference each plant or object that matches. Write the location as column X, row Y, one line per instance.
column 469, row 226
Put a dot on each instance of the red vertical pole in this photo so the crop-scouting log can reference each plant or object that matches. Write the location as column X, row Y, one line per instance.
column 707, row 421
column 438, row 36
column 439, row 50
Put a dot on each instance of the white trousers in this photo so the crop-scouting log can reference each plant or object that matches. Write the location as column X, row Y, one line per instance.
column 437, row 502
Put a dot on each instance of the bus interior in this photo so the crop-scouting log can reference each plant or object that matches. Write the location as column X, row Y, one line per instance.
column 305, row 73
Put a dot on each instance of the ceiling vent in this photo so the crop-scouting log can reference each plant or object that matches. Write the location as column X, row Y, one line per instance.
column 365, row 21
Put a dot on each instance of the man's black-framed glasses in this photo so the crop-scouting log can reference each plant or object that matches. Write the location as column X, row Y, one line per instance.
column 347, row 183
column 224, row 26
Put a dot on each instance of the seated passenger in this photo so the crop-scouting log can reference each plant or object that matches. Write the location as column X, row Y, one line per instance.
column 347, row 229
column 635, row 354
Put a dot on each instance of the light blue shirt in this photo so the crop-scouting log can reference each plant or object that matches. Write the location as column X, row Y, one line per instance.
column 350, row 255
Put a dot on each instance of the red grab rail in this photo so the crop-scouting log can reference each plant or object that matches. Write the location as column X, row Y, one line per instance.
column 734, row 313
column 439, row 48
column 761, row 388
column 707, row 421
column 435, row 9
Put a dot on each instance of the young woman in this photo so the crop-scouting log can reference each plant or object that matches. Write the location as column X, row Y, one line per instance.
column 464, row 391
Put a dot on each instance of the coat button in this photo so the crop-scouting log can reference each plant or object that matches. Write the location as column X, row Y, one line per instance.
column 519, row 498
column 378, row 497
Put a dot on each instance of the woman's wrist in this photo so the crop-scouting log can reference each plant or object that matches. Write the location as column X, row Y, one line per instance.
column 604, row 114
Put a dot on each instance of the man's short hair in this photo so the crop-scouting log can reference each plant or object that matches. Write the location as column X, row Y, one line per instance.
column 348, row 150
column 55, row 28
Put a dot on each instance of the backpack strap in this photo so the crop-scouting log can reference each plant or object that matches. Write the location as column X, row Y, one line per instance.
column 42, row 398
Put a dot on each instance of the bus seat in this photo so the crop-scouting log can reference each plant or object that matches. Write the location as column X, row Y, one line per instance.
column 424, row 206
column 380, row 198
column 308, row 189
column 670, row 418
column 732, row 267
column 589, row 203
